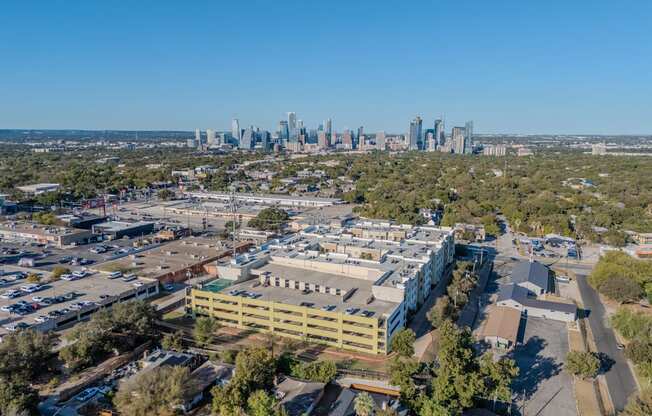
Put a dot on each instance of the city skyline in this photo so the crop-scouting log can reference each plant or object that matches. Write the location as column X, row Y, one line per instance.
column 513, row 67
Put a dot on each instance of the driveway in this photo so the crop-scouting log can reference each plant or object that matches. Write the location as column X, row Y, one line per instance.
column 542, row 388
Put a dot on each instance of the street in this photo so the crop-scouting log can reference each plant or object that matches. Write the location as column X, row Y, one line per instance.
column 619, row 377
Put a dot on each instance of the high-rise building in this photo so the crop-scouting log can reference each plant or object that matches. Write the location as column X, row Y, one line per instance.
column 283, row 130
column 235, row 129
column 263, row 138
column 210, row 137
column 322, row 140
column 292, row 126
column 248, row 139
column 468, row 133
column 458, row 139
column 328, row 127
column 494, row 150
column 347, row 139
column 191, row 143
column 380, row 140
column 440, row 136
column 415, row 137
column 197, row 137
column 430, row 141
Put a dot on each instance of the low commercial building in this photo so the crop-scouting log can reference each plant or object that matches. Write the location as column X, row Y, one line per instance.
column 38, row 188
column 269, row 200
column 45, row 234
column 83, row 221
column 175, row 261
column 533, row 276
column 328, row 286
column 470, row 232
column 114, row 230
column 501, row 327
column 519, row 298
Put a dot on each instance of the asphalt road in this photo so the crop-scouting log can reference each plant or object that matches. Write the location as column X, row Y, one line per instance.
column 619, row 378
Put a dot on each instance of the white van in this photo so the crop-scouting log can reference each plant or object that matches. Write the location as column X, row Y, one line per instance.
column 115, row 275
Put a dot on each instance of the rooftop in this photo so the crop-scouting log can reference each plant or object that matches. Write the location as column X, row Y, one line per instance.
column 38, row 229
column 502, row 322
column 521, row 295
column 533, row 272
column 114, row 226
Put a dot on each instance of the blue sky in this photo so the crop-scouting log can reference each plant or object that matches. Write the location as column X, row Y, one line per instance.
column 522, row 66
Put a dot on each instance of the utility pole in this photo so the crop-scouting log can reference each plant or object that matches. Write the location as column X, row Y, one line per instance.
column 233, row 205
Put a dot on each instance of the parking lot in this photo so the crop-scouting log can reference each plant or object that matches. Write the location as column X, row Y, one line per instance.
column 61, row 302
column 542, row 387
column 46, row 257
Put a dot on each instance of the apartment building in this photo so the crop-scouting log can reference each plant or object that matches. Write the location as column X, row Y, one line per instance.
column 330, row 285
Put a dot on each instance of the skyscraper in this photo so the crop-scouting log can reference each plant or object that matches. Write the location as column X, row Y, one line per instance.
column 380, row 140
column 440, row 136
column 468, row 135
column 347, row 139
column 197, row 137
column 248, row 139
column 283, row 130
column 235, row 129
column 292, row 126
column 458, row 139
column 415, row 137
column 322, row 140
column 210, row 137
column 263, row 138
column 328, row 126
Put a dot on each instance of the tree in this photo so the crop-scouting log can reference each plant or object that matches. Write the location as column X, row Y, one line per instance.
column 25, row 354
column 363, row 404
column 17, row 397
column 33, row 278
column 632, row 325
column 457, row 379
column 403, row 342
column 204, row 331
column 173, row 341
column 269, row 219
column 155, row 392
column 254, row 370
column 639, row 351
column 640, row 404
column 321, row 371
column 401, row 373
column 58, row 271
column 442, row 310
column 621, row 289
column 261, row 404
column 582, row 364
column 165, row 194
column 498, row 377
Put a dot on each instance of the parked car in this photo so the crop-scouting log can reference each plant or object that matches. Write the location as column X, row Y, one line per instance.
column 31, row 288
column 10, row 294
column 16, row 327
column 115, row 275
column 86, row 394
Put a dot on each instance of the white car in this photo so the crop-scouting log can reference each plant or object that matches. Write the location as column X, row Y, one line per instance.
column 42, row 318
column 138, row 284
column 86, row 394
column 10, row 294
column 31, row 288
column 37, row 299
column 80, row 274
column 68, row 277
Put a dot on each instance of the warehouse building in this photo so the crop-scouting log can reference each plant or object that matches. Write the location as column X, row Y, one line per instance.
column 113, row 230
column 44, row 234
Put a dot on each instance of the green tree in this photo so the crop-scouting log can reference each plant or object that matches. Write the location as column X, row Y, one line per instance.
column 497, row 377
column 401, row 374
column 639, row 351
column 621, row 289
column 173, row 341
column 261, row 404
column 158, row 392
column 25, row 354
column 58, row 271
column 363, row 404
column 269, row 219
column 442, row 310
column 17, row 397
column 582, row 364
column 639, row 405
column 204, row 330
column 403, row 342
column 457, row 379
column 165, row 194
